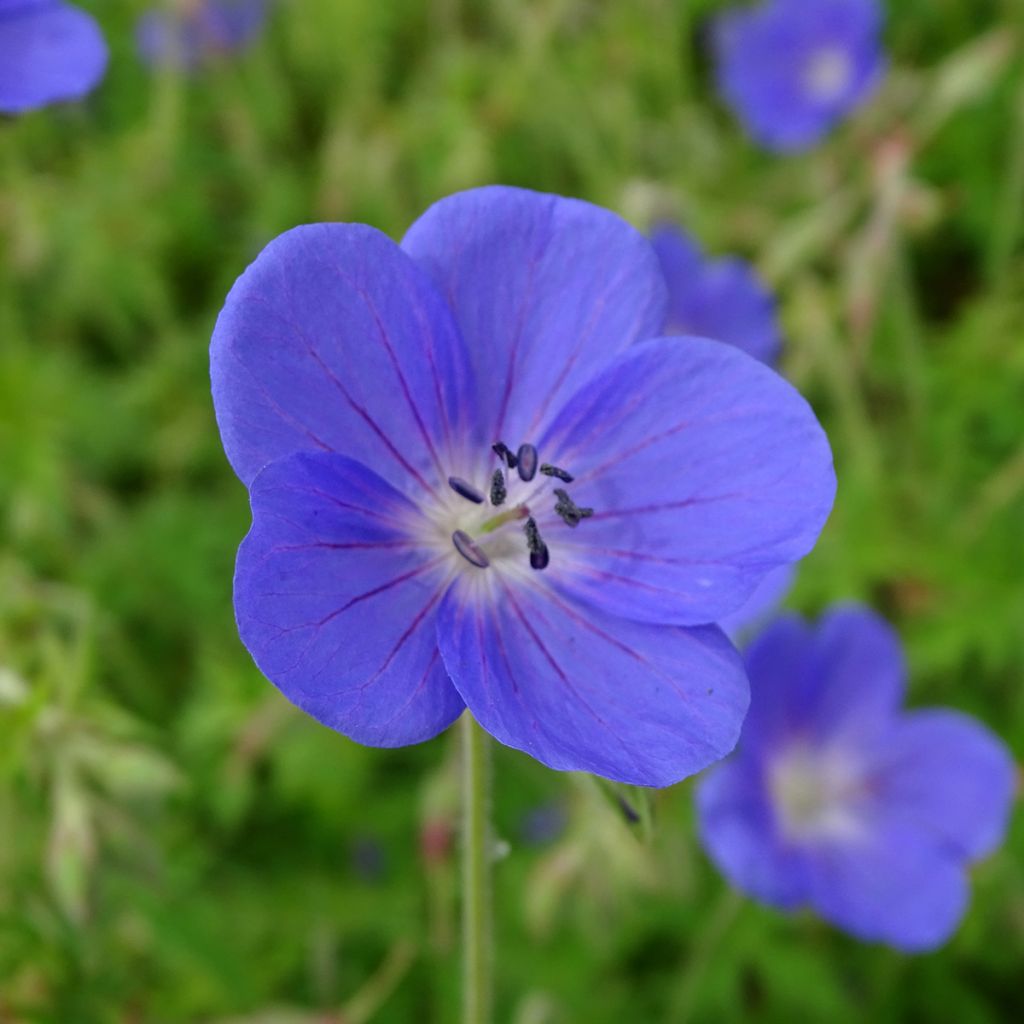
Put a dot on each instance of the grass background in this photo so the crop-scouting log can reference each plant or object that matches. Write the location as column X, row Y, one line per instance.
column 178, row 844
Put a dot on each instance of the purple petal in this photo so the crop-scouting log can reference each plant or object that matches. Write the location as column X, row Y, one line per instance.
column 842, row 680
column 761, row 604
column 719, row 299
column 49, row 52
column 706, row 471
column 737, row 828
column 333, row 340
column 546, row 291
column 895, row 884
column 949, row 775
column 586, row 692
column 337, row 599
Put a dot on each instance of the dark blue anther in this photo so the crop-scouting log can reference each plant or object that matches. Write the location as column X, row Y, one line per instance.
column 465, row 490
column 548, row 470
column 527, row 462
column 466, row 547
column 570, row 512
column 539, row 555
column 498, row 490
column 503, row 451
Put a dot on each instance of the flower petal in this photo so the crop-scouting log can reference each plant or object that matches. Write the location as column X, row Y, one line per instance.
column 720, row 299
column 738, row 831
column 336, row 601
column 948, row 774
column 49, row 52
column 333, row 340
column 762, row 603
column 894, row 885
column 586, row 692
column 546, row 291
column 706, row 471
column 840, row 681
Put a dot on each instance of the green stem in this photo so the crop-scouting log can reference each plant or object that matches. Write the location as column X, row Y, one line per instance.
column 476, row 874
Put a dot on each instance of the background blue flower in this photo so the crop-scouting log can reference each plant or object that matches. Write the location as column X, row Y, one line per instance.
column 837, row 799
column 50, row 51
column 359, row 388
column 720, row 299
column 790, row 69
column 197, row 30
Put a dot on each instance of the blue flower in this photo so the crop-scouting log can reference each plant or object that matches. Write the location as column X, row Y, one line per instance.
column 791, row 69
column 761, row 605
column 198, row 30
column 475, row 483
column 837, row 799
column 719, row 299
column 49, row 52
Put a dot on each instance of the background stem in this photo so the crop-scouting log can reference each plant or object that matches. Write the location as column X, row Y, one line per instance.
column 476, row 874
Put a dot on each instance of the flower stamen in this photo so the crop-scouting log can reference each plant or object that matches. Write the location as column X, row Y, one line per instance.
column 499, row 492
column 526, row 459
column 503, row 451
column 467, row 547
column 571, row 513
column 465, row 490
column 548, row 470
column 539, row 554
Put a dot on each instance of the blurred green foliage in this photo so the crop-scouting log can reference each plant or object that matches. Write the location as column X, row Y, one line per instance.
column 178, row 844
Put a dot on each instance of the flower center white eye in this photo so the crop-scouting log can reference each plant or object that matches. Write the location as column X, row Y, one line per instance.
column 816, row 793
column 828, row 74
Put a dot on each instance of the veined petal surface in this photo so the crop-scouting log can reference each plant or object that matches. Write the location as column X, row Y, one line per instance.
column 579, row 690
column 334, row 340
column 546, row 291
column 336, row 600
column 706, row 470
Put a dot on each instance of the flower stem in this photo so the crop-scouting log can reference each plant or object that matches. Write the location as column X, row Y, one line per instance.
column 476, row 874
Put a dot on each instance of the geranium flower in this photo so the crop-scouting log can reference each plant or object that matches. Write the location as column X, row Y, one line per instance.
column 790, row 69
column 49, row 52
column 195, row 30
column 724, row 300
column 720, row 299
column 471, row 486
column 837, row 799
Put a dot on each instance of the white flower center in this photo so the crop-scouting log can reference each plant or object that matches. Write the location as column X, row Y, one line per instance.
column 828, row 73
column 817, row 792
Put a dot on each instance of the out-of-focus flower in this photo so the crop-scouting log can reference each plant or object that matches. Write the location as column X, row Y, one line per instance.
column 404, row 563
column 50, row 51
column 190, row 32
column 720, row 299
column 543, row 824
column 791, row 69
column 761, row 605
column 837, row 799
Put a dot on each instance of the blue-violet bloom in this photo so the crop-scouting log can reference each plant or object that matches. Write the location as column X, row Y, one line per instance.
column 791, row 69
column 838, row 799
column 761, row 606
column 721, row 299
column 50, row 52
column 724, row 300
column 475, row 483
column 196, row 30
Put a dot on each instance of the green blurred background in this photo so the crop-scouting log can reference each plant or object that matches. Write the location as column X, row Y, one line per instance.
column 176, row 842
